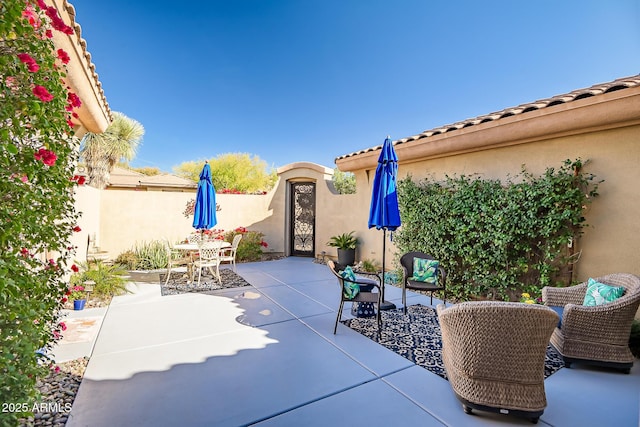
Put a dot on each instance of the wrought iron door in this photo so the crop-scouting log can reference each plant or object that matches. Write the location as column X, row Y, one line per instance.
column 303, row 218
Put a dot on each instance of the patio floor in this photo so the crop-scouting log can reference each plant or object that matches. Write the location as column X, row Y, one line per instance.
column 266, row 355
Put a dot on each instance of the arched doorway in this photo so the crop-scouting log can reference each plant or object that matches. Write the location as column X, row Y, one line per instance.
column 302, row 218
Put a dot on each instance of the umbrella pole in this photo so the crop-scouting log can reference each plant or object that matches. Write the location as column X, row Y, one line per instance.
column 386, row 305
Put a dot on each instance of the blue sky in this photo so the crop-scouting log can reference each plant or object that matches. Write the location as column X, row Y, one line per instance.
column 310, row 80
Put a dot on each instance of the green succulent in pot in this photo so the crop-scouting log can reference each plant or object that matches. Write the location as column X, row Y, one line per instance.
column 344, row 241
column 346, row 244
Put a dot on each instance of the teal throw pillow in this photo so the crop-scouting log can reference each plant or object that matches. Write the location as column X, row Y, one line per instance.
column 425, row 270
column 350, row 289
column 599, row 293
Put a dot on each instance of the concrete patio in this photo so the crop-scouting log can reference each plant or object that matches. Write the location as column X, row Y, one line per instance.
column 266, row 355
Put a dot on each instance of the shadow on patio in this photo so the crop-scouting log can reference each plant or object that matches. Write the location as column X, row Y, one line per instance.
column 191, row 359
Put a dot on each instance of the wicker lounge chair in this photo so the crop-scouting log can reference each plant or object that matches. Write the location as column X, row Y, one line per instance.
column 494, row 355
column 596, row 335
column 365, row 294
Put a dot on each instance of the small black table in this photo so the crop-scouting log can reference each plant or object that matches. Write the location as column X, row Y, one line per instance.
column 385, row 305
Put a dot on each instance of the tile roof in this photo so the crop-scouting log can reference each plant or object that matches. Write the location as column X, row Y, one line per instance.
column 82, row 43
column 595, row 90
column 120, row 177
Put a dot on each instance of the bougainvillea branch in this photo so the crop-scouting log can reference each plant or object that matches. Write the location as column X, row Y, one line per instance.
column 38, row 156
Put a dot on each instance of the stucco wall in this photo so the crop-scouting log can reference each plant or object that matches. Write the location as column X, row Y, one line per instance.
column 119, row 219
column 87, row 202
column 610, row 243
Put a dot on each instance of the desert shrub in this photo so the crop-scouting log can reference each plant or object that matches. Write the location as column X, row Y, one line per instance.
column 127, row 259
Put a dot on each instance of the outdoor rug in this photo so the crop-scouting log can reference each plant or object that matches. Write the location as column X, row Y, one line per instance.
column 179, row 282
column 416, row 336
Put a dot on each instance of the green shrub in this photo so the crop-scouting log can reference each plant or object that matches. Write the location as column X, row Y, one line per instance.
column 128, row 260
column 368, row 265
column 250, row 247
column 497, row 240
column 109, row 280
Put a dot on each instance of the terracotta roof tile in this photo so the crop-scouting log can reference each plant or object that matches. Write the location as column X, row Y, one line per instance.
column 595, row 90
column 83, row 43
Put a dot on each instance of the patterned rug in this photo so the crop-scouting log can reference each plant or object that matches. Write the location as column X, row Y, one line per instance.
column 416, row 337
column 179, row 282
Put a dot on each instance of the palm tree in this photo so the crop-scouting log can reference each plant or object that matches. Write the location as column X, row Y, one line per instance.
column 102, row 151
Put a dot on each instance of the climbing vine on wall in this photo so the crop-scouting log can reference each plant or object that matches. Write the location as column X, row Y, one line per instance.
column 497, row 239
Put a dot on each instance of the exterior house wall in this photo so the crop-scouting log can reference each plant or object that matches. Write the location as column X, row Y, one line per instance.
column 603, row 130
column 610, row 242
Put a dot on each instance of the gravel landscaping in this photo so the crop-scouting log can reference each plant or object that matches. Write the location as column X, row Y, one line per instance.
column 58, row 392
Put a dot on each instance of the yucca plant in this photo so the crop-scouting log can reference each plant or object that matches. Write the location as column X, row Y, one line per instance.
column 151, row 255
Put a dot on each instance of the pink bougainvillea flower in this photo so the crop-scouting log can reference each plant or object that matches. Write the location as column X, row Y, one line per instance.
column 56, row 369
column 70, row 123
column 42, row 93
column 11, row 83
column 77, row 229
column 24, row 252
column 48, row 34
column 63, row 300
column 42, row 4
column 31, row 63
column 47, row 157
column 74, row 100
column 75, row 268
column 63, row 56
column 63, row 326
column 30, row 14
column 56, row 22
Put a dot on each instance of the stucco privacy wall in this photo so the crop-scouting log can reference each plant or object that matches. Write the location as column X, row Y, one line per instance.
column 121, row 218
column 603, row 130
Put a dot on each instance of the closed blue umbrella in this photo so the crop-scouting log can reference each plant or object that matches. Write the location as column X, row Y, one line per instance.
column 204, row 212
column 384, row 212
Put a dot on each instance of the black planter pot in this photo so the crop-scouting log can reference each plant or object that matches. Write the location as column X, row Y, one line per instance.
column 346, row 256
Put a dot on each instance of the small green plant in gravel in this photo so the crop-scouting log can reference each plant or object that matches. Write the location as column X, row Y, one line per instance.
column 108, row 280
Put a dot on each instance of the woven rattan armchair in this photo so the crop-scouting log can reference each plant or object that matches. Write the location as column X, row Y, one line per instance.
column 596, row 335
column 365, row 294
column 494, row 354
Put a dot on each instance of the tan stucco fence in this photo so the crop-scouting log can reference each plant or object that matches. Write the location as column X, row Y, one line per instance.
column 117, row 219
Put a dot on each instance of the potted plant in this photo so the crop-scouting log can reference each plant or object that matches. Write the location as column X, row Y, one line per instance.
column 79, row 297
column 346, row 244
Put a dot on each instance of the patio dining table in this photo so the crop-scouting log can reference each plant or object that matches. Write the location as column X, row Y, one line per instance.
column 191, row 248
column 188, row 247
